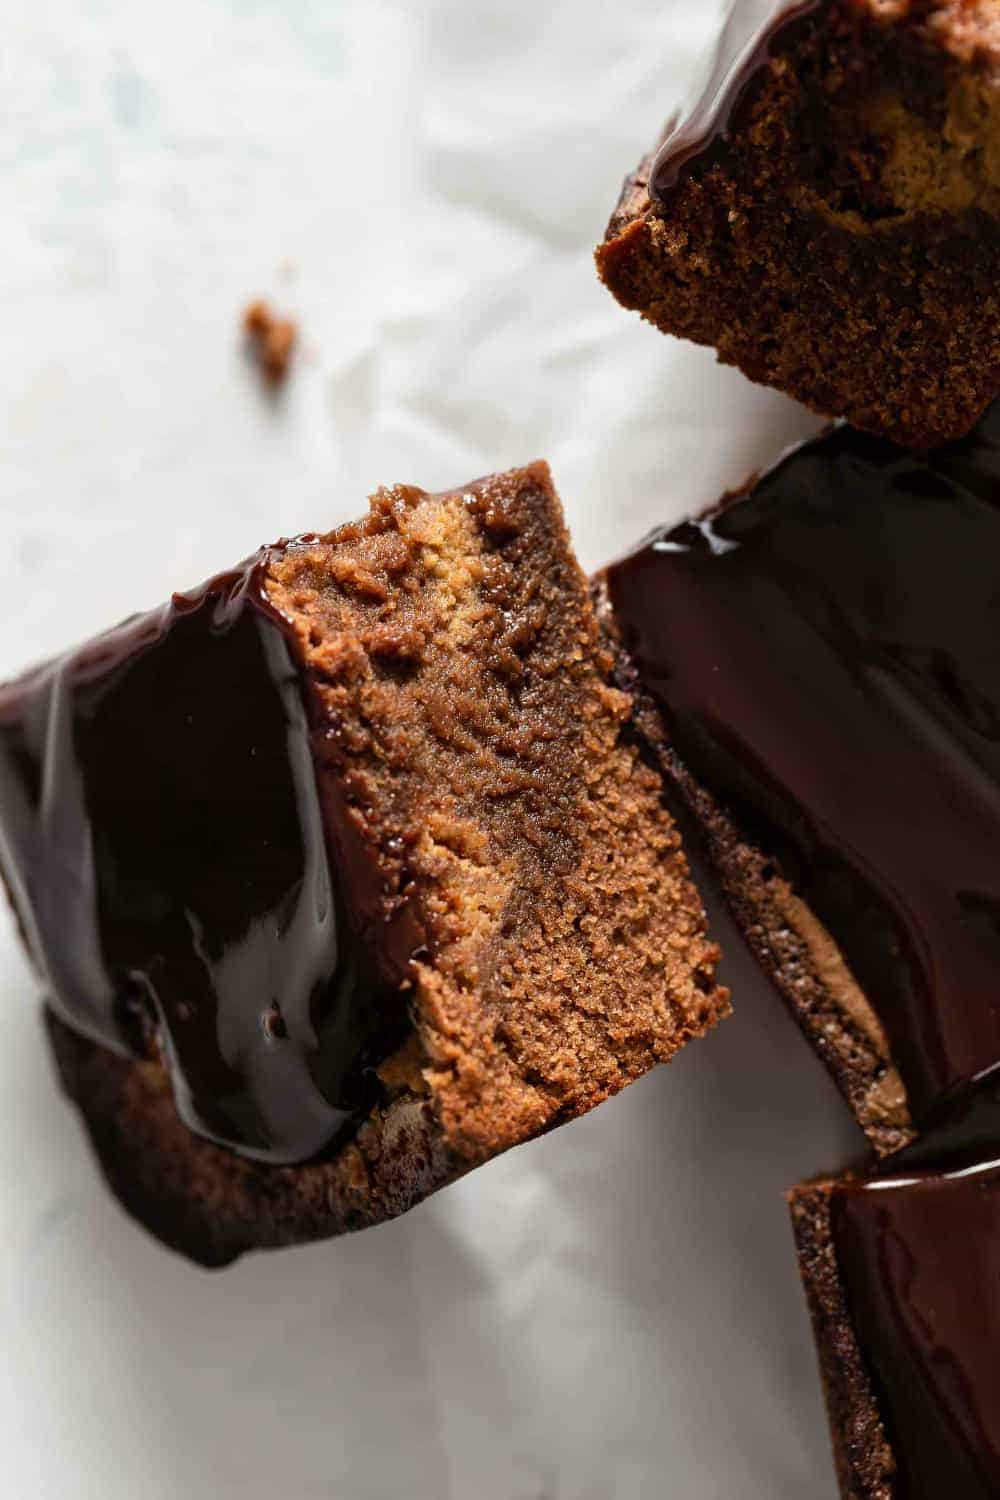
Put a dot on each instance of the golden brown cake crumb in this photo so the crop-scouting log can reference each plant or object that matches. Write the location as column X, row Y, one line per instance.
column 487, row 759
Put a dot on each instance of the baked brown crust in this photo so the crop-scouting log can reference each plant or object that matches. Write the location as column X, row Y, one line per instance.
column 786, row 938
column 866, row 1467
column 493, row 818
column 212, row 1205
column 843, row 244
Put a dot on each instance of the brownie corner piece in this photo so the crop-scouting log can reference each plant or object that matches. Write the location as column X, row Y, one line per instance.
column 372, row 882
column 827, row 216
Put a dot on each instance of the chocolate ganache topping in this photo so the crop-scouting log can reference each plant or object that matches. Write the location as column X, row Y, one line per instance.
column 825, row 651
column 752, row 30
column 918, row 1250
column 162, row 839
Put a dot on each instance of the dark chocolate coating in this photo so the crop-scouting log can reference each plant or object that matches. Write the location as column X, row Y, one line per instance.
column 752, row 29
column 162, row 838
column 918, row 1257
column 824, row 649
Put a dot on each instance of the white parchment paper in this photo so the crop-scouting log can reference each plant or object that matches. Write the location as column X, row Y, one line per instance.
column 613, row 1311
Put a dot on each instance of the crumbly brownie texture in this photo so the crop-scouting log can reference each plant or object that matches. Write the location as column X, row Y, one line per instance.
column 862, row 1452
column 470, row 747
column 842, row 242
column 786, row 938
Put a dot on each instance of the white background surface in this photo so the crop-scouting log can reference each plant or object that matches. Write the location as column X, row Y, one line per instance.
column 611, row 1312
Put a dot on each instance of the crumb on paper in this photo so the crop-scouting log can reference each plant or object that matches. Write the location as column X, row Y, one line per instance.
column 272, row 340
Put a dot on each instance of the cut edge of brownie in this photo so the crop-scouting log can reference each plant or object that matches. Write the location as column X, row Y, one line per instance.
column 470, row 749
column 865, row 1463
column 861, row 279
column 788, row 941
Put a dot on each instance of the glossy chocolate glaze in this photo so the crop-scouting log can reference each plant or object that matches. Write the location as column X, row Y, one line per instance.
column 826, row 649
column 162, row 840
column 753, row 28
column 919, row 1258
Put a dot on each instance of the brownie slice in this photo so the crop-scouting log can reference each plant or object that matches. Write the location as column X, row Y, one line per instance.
column 900, row 1273
column 818, row 659
column 344, row 872
column 827, row 214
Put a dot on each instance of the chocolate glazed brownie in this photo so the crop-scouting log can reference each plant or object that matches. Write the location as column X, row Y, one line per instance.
column 827, row 213
column 900, row 1271
column 343, row 874
column 819, row 660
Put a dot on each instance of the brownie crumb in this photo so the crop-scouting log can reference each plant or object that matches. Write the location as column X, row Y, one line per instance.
column 272, row 340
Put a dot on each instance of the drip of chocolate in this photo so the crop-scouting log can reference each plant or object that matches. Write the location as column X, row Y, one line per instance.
column 753, row 29
column 164, row 847
column 824, row 649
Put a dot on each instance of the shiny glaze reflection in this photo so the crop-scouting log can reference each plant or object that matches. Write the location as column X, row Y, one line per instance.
column 827, row 653
column 161, row 836
column 752, row 29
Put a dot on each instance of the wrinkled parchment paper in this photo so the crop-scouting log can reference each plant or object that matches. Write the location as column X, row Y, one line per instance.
column 613, row 1311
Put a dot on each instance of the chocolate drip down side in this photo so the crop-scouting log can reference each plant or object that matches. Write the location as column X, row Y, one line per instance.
column 163, row 842
column 752, row 30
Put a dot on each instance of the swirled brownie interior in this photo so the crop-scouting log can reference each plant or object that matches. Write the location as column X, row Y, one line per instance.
column 345, row 872
column 827, row 214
